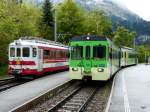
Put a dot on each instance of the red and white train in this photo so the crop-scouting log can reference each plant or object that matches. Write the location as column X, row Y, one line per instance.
column 31, row 56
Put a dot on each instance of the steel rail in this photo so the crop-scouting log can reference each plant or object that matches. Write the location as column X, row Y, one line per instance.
column 64, row 100
column 38, row 99
column 81, row 108
column 6, row 81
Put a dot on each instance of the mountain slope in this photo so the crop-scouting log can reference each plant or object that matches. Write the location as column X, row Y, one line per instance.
column 120, row 16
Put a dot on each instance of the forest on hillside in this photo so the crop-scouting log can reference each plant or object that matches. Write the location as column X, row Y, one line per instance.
column 18, row 19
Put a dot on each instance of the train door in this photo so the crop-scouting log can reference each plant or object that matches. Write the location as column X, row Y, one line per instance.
column 126, row 58
column 87, row 63
column 120, row 57
column 111, row 60
column 40, row 59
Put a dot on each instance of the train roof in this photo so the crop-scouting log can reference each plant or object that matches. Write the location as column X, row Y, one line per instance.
column 132, row 50
column 129, row 48
column 89, row 38
column 35, row 41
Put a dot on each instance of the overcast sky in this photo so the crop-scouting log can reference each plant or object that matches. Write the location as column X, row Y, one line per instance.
column 140, row 7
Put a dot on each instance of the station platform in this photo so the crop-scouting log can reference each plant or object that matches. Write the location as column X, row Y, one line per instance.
column 18, row 95
column 131, row 90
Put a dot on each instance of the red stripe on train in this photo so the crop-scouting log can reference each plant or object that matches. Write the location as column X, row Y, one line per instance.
column 26, row 72
column 54, row 61
column 21, row 63
column 33, row 63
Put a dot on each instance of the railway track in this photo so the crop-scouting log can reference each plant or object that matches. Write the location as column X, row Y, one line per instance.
column 70, row 97
column 9, row 83
column 4, row 81
column 76, row 101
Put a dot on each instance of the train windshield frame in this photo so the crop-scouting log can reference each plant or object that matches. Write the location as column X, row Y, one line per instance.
column 76, row 52
column 18, row 52
column 99, row 52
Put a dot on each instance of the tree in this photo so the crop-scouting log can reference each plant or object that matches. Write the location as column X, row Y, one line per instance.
column 16, row 20
column 47, row 22
column 123, row 37
column 97, row 23
column 70, row 20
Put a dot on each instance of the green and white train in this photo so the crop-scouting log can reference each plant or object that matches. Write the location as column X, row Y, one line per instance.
column 97, row 58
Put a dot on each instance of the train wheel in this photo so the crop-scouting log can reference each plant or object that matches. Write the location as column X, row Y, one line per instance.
column 34, row 76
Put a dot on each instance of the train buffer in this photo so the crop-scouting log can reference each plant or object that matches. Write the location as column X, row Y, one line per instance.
column 131, row 91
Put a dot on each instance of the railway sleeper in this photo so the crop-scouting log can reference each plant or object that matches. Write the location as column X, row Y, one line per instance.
column 72, row 104
column 73, row 108
column 76, row 101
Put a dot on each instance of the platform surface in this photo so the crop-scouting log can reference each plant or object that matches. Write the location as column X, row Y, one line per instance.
column 131, row 91
column 18, row 95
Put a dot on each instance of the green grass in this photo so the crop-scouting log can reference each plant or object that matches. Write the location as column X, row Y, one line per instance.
column 3, row 72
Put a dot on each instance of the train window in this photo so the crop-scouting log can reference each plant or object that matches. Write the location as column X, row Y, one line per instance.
column 34, row 52
column 46, row 54
column 57, row 54
column 125, row 54
column 62, row 54
column 88, row 52
column 26, row 52
column 18, row 52
column 52, row 54
column 76, row 52
column 122, row 54
column 99, row 51
column 12, row 52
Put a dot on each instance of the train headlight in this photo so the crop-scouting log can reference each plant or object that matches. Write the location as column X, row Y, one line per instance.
column 100, row 70
column 74, row 69
column 18, row 62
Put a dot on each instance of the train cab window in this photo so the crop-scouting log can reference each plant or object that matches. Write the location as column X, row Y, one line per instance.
column 76, row 52
column 34, row 52
column 26, row 52
column 99, row 51
column 88, row 52
column 12, row 52
column 18, row 52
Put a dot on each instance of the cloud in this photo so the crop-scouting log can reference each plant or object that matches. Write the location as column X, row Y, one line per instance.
column 140, row 7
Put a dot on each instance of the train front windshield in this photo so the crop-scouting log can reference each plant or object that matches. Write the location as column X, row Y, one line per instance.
column 23, row 52
column 99, row 52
